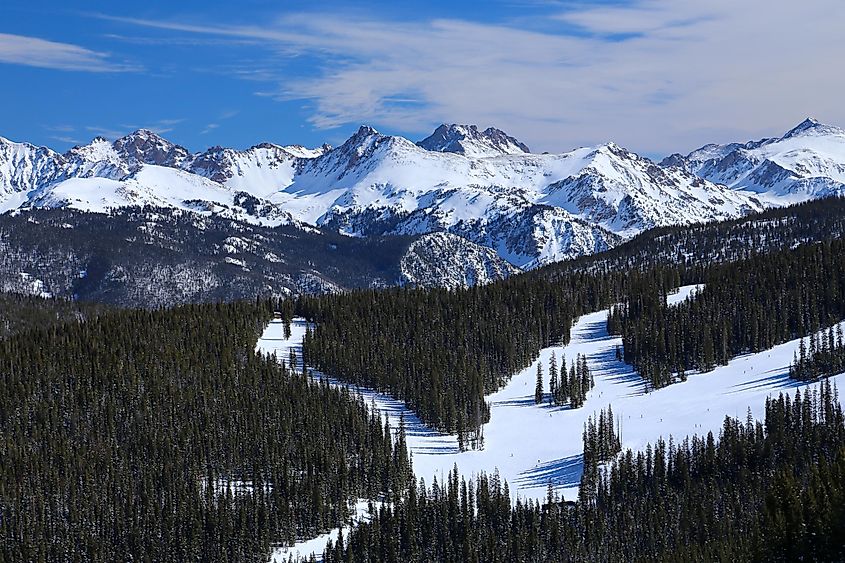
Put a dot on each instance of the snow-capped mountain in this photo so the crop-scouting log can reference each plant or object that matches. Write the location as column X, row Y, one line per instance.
column 145, row 147
column 469, row 141
column 481, row 185
column 531, row 208
column 23, row 167
column 807, row 162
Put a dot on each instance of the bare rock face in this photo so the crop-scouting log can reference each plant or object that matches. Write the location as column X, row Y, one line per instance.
column 145, row 147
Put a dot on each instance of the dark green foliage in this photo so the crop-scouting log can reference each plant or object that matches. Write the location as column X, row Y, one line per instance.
column 570, row 387
column 826, row 356
column 693, row 246
column 746, row 306
column 441, row 351
column 20, row 312
column 538, row 387
column 162, row 436
column 772, row 491
column 601, row 440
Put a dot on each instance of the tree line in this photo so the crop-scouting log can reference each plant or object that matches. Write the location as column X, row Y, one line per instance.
column 824, row 357
column 442, row 351
column 565, row 387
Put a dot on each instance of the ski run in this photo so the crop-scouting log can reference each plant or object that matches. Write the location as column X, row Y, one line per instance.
column 532, row 446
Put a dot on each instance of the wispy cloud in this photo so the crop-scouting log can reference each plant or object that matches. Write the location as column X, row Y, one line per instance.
column 60, row 128
column 159, row 127
column 65, row 139
column 655, row 75
column 178, row 41
column 32, row 51
column 223, row 116
column 107, row 132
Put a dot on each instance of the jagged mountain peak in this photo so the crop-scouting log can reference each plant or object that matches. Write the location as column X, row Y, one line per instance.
column 364, row 143
column 364, row 137
column 612, row 148
column 364, row 132
column 147, row 147
column 812, row 126
column 469, row 141
column 479, row 184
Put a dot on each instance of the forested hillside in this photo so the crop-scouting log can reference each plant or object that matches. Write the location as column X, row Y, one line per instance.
column 441, row 351
column 20, row 312
column 162, row 436
column 705, row 244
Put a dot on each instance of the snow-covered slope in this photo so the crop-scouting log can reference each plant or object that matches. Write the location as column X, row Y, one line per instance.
column 260, row 170
column 807, row 162
column 156, row 186
column 23, row 167
column 531, row 208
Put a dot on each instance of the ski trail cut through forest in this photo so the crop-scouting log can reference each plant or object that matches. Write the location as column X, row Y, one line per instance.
column 533, row 446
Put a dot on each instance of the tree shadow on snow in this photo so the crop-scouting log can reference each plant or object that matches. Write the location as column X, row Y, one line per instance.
column 779, row 380
column 619, row 373
column 527, row 401
column 524, row 401
column 565, row 472
column 594, row 332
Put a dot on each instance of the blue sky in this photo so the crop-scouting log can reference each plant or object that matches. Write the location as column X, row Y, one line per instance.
column 653, row 75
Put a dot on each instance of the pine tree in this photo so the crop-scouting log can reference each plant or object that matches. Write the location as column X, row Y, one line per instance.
column 538, row 388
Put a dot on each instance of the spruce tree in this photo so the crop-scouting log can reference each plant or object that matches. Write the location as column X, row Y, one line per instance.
column 538, row 387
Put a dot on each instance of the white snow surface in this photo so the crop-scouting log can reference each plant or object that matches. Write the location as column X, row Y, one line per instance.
column 534, row 445
column 683, row 293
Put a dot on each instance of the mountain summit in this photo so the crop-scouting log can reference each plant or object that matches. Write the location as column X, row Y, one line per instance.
column 146, row 147
column 811, row 126
column 469, row 141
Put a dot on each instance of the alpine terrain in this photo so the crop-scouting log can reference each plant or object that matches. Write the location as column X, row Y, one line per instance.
column 484, row 186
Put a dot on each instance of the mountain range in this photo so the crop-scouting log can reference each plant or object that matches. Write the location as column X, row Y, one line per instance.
column 481, row 185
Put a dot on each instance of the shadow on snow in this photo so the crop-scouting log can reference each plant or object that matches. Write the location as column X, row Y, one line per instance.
column 565, row 472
